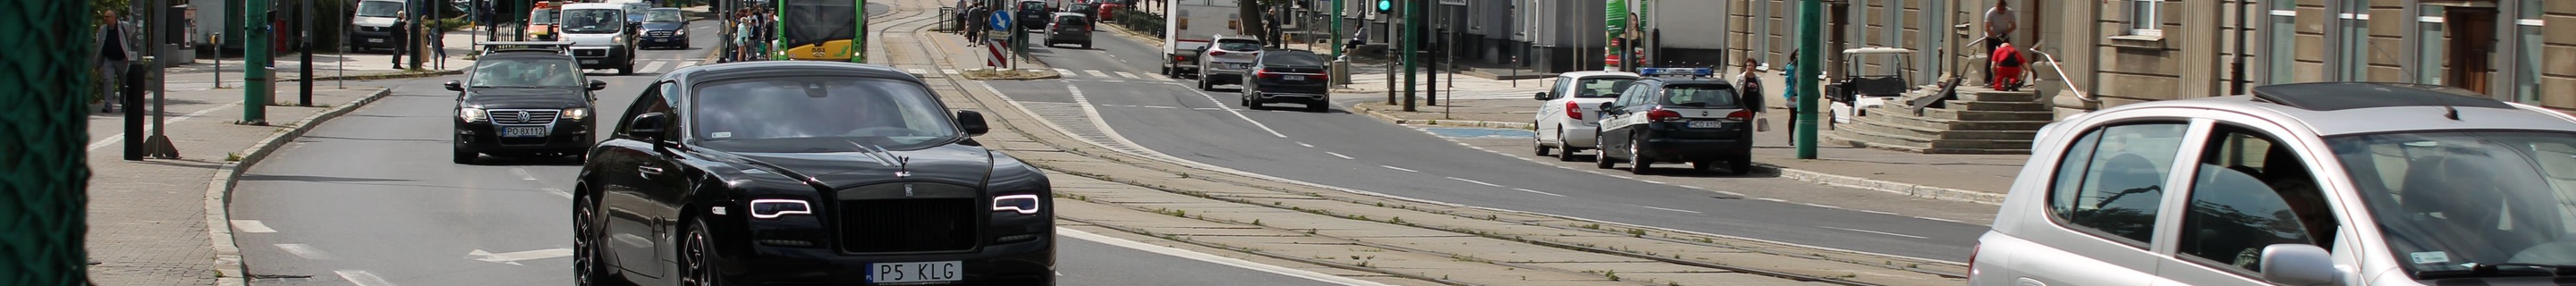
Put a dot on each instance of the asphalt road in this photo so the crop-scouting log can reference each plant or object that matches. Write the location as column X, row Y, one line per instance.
column 368, row 199
column 1354, row 151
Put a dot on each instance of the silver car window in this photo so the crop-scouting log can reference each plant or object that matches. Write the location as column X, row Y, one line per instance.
column 2112, row 179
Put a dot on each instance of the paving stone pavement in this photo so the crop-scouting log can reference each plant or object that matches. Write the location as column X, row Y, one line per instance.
column 148, row 220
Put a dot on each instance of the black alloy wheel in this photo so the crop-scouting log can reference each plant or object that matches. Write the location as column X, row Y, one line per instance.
column 694, row 257
column 1565, row 151
column 1541, row 146
column 1638, row 163
column 585, row 248
column 1740, row 165
column 463, row 156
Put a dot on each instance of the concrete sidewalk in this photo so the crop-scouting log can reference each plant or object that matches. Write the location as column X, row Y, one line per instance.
column 162, row 221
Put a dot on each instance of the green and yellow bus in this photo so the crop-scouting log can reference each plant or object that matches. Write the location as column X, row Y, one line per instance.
column 820, row 30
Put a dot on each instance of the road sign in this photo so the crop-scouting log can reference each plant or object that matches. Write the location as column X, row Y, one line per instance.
column 1001, row 20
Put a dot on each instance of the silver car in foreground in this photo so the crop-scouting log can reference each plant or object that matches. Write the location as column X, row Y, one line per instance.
column 2297, row 184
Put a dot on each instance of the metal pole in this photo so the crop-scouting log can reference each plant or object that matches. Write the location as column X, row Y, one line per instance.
column 304, row 45
column 257, row 85
column 2236, row 73
column 1412, row 40
column 1810, row 22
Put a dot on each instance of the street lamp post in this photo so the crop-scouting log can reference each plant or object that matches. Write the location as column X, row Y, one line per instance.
column 1810, row 23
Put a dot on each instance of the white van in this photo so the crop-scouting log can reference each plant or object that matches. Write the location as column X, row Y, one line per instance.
column 374, row 21
column 600, row 36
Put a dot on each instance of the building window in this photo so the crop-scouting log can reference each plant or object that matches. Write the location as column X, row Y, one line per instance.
column 2143, row 18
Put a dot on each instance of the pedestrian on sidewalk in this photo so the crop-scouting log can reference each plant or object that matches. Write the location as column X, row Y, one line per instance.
column 437, row 37
column 2000, row 24
column 742, row 35
column 401, row 37
column 113, row 58
column 1750, row 81
column 1792, row 92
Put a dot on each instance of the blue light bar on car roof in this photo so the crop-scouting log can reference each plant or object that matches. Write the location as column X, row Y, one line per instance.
column 1677, row 72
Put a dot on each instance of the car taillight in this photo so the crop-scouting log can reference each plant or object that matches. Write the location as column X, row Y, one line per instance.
column 1740, row 115
column 1573, row 111
column 1660, row 114
column 1216, row 53
column 1972, row 260
column 1263, row 74
column 1179, row 58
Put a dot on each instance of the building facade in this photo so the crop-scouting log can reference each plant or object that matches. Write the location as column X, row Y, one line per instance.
column 2144, row 50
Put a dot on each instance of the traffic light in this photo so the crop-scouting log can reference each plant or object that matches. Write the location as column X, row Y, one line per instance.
column 1385, row 6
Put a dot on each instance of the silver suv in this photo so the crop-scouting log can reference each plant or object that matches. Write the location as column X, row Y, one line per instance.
column 2297, row 184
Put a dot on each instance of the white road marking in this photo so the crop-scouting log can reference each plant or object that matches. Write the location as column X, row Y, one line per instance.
column 559, row 192
column 1623, row 177
column 1730, row 193
column 251, row 226
column 949, row 71
column 1936, row 219
column 1339, row 155
column 362, row 278
column 1304, row 144
column 1063, row 71
column 654, row 65
column 305, row 251
column 1219, row 260
column 1678, row 210
column 513, row 258
column 1398, row 169
column 1096, row 73
column 1157, row 106
column 1203, row 108
column 1694, row 187
column 1875, row 232
column 1821, row 206
column 523, row 174
column 1536, row 191
column 1653, row 182
column 1875, row 212
column 112, row 139
column 916, row 72
column 1772, row 200
column 1238, row 114
column 1474, row 181
column 1129, row 75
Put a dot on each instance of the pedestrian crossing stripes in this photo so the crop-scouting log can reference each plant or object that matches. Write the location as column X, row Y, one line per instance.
column 1111, row 76
column 644, row 66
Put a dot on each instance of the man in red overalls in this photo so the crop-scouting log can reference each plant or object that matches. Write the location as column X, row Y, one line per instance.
column 2008, row 66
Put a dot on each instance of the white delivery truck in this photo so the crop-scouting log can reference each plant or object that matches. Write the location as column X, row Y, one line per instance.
column 1191, row 26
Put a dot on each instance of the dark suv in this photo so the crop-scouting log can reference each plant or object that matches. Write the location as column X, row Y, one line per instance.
column 1679, row 115
column 532, row 102
column 1287, row 76
column 1032, row 15
column 666, row 28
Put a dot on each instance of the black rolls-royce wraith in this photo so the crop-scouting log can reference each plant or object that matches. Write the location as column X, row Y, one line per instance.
column 806, row 173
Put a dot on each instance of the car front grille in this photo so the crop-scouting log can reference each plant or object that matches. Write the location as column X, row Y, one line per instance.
column 658, row 33
column 523, row 116
column 590, row 53
column 908, row 225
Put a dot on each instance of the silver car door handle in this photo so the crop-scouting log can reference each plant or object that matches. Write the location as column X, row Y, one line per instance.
column 650, row 171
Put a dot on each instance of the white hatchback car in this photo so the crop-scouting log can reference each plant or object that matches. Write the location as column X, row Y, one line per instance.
column 2297, row 184
column 1566, row 123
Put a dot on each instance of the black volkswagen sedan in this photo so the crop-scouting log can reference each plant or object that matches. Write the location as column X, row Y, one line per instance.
column 665, row 28
column 523, row 103
column 806, row 173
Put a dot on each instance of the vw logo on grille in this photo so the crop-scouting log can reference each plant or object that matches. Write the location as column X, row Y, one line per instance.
column 523, row 116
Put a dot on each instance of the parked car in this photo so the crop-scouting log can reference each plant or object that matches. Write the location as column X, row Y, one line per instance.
column 2298, row 184
column 374, row 20
column 600, row 37
column 806, row 173
column 1033, row 14
column 1568, row 120
column 1226, row 59
column 523, row 103
column 1679, row 115
column 1287, row 76
column 664, row 27
column 1108, row 11
column 1069, row 28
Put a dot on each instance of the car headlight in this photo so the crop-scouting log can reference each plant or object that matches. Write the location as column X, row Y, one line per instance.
column 1023, row 204
column 575, row 113
column 470, row 114
column 774, row 208
column 682, row 32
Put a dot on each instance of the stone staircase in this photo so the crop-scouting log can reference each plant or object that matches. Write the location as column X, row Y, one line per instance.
column 1980, row 121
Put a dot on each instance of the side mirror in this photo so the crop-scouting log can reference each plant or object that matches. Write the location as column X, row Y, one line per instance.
column 596, row 85
column 455, row 86
column 649, row 127
column 1543, row 96
column 2297, row 264
column 973, row 122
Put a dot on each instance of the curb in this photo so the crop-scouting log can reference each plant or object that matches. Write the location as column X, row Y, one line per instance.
column 1372, row 112
column 229, row 270
column 1907, row 189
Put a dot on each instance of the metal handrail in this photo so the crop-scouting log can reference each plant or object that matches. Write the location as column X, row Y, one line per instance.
column 2061, row 75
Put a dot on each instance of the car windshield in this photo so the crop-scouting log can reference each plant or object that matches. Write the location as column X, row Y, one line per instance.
column 593, row 20
column 2446, row 200
column 662, row 15
column 379, row 8
column 545, row 16
column 525, row 73
column 1702, row 95
column 1238, row 45
column 1601, row 87
column 637, row 10
column 818, row 114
